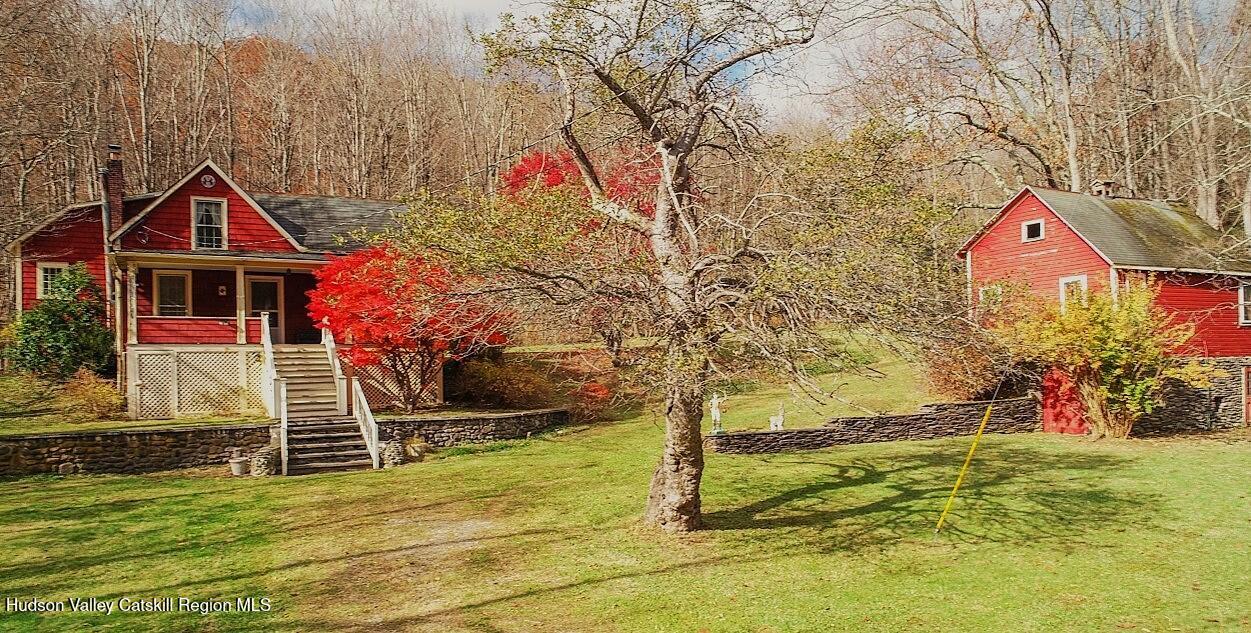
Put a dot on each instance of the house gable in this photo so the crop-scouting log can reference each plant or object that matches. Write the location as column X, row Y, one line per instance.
column 76, row 236
column 165, row 224
column 1002, row 251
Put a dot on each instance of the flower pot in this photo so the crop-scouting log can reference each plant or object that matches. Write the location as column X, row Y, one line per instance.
column 238, row 466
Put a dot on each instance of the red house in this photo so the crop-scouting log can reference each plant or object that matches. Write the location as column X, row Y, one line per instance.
column 1061, row 244
column 191, row 274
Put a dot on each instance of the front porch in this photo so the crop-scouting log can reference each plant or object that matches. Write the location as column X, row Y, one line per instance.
column 186, row 304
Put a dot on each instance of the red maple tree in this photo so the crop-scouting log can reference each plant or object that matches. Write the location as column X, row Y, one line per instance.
column 629, row 176
column 398, row 311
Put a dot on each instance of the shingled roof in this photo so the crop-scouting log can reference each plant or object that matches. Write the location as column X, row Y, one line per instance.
column 1140, row 233
column 319, row 223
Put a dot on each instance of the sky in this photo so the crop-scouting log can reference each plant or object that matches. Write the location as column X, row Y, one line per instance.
column 790, row 99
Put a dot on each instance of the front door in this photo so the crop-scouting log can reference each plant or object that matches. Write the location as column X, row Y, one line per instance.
column 265, row 295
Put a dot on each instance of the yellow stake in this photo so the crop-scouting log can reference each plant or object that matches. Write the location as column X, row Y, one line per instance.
column 964, row 469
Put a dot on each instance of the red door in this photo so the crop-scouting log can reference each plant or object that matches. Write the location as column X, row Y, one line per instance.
column 1246, row 396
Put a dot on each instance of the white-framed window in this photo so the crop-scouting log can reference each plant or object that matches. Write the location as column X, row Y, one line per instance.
column 48, row 272
column 208, row 223
column 171, row 295
column 1244, row 303
column 990, row 296
column 1073, row 288
column 1033, row 230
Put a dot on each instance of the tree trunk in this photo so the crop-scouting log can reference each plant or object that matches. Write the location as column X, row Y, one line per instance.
column 673, row 501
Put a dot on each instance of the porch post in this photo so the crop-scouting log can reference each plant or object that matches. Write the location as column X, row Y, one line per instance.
column 241, row 313
column 132, row 311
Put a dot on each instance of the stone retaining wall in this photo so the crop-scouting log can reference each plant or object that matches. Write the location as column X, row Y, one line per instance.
column 451, row 429
column 1196, row 409
column 1016, row 415
column 127, row 451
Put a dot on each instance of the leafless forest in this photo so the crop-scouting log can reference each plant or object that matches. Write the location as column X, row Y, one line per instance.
column 381, row 99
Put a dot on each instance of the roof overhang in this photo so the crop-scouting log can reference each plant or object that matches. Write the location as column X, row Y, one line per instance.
column 216, row 261
column 1188, row 271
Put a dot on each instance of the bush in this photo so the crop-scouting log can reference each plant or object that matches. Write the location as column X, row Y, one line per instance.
column 92, row 393
column 507, row 383
column 65, row 331
column 590, row 401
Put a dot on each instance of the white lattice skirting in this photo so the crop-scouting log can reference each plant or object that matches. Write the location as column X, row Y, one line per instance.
column 383, row 390
column 165, row 382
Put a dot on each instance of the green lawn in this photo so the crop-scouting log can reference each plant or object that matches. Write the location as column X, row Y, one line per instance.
column 33, row 406
column 1051, row 534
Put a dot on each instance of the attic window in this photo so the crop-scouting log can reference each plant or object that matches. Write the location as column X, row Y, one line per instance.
column 1032, row 230
column 208, row 217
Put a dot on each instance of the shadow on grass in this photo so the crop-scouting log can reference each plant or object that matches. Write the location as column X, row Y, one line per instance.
column 1012, row 494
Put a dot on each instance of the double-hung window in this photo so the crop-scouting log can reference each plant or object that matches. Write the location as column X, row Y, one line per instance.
column 1244, row 303
column 208, row 223
column 48, row 272
column 1072, row 289
column 173, row 293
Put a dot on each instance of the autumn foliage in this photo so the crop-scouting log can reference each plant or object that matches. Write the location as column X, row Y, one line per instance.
column 400, row 311
column 628, row 178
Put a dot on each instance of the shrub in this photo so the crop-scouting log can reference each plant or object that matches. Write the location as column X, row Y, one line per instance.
column 65, row 331
column 590, row 400
column 506, row 383
column 92, row 393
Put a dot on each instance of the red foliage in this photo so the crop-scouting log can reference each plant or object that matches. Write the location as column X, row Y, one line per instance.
column 387, row 302
column 629, row 178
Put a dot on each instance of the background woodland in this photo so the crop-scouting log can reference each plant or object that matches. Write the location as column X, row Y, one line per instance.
column 386, row 99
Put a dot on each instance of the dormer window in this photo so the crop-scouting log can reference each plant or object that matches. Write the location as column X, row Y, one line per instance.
column 208, row 221
column 1032, row 230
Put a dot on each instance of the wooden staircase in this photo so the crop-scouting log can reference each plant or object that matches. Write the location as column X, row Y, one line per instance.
column 315, row 432
column 317, row 445
column 310, row 381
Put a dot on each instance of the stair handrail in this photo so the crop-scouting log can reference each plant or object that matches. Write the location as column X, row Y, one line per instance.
column 340, row 380
column 281, row 388
column 365, row 418
column 269, row 371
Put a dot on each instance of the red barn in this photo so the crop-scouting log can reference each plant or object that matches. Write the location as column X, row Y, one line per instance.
column 206, row 288
column 1061, row 244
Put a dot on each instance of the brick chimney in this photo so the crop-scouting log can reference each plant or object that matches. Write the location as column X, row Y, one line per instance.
column 114, row 176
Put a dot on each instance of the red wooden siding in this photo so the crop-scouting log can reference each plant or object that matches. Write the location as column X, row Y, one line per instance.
column 194, row 330
column 1211, row 303
column 1000, row 255
column 1062, row 409
column 78, row 237
column 168, row 227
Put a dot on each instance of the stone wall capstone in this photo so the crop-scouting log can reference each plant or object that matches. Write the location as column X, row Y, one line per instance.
column 948, row 419
column 451, row 429
column 128, row 450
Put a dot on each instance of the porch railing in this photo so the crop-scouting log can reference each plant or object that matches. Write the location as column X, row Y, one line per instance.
column 269, row 372
column 365, row 418
column 340, row 380
column 190, row 330
column 275, row 391
column 282, row 422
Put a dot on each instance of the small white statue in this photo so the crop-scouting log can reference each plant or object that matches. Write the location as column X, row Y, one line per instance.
column 776, row 421
column 714, row 406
